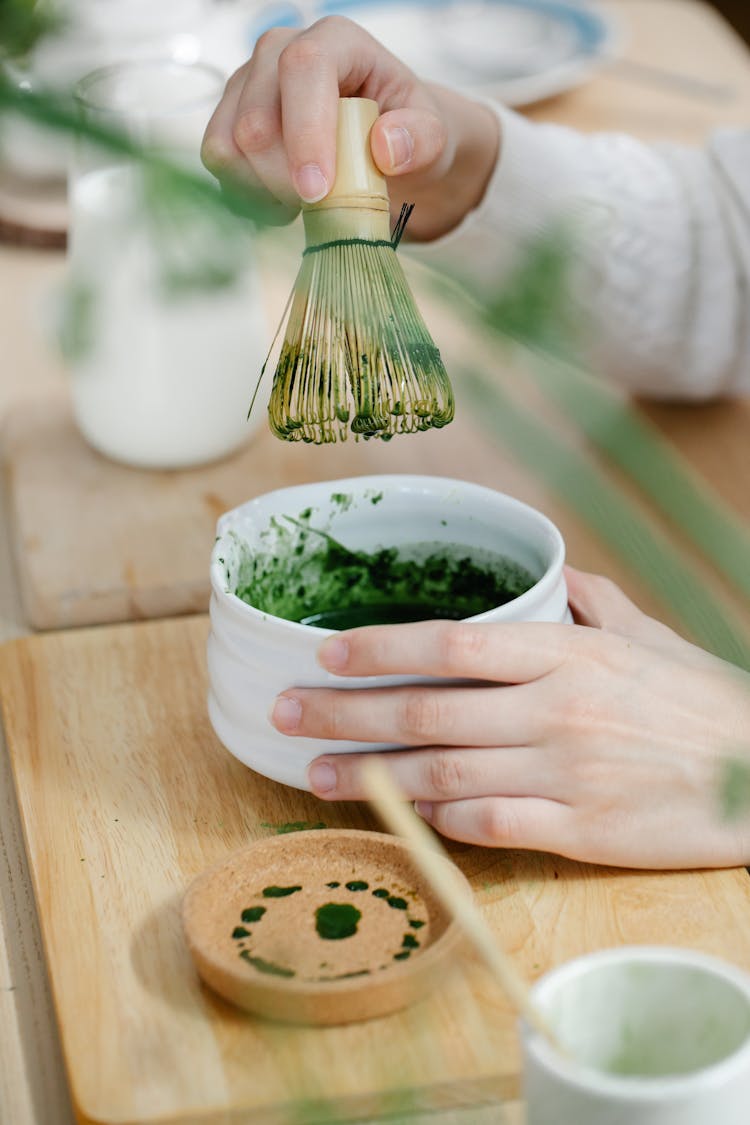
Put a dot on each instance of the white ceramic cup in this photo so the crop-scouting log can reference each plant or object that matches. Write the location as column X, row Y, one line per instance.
column 656, row 1036
column 252, row 656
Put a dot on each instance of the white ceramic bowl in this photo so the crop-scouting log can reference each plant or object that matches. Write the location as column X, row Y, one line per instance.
column 654, row 1036
column 252, row 656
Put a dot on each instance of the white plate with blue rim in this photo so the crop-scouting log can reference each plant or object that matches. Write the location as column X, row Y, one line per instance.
column 519, row 51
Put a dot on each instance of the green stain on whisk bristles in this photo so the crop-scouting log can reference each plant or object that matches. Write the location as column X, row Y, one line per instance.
column 357, row 356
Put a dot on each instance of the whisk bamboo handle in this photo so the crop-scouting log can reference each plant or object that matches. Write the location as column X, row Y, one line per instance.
column 357, row 205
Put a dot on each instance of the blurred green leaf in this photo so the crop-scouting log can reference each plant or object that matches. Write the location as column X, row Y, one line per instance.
column 23, row 23
column 612, row 424
column 735, row 788
column 534, row 305
column 77, row 321
column 617, row 521
column 60, row 113
column 198, row 249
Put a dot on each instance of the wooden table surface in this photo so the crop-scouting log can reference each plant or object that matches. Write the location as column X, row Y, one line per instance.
column 683, row 36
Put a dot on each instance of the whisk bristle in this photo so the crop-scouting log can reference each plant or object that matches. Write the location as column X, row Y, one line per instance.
column 357, row 355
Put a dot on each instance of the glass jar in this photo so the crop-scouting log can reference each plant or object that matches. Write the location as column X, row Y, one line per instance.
column 164, row 329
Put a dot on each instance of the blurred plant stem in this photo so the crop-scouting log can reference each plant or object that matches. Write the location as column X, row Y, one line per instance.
column 61, row 115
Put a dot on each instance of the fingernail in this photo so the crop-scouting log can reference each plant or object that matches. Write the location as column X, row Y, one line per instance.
column 424, row 809
column 400, row 146
column 334, row 654
column 286, row 714
column 322, row 777
column 310, row 183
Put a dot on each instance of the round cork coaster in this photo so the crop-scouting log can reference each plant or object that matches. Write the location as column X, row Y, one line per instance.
column 319, row 927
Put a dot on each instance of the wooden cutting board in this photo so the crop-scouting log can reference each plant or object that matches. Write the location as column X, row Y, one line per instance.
column 125, row 795
column 95, row 542
column 98, row 542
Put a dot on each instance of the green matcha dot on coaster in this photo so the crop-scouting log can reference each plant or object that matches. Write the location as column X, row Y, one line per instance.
column 397, row 903
column 253, row 913
column 279, row 892
column 240, row 932
column 381, row 892
column 337, row 920
column 415, row 923
column 264, row 966
column 410, row 942
column 357, row 885
column 401, row 956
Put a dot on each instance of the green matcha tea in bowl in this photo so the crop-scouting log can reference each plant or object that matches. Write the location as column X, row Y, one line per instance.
column 290, row 567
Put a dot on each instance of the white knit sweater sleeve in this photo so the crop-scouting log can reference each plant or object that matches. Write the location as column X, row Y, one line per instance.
column 661, row 269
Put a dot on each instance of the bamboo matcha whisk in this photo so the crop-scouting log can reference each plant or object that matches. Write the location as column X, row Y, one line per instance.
column 356, row 353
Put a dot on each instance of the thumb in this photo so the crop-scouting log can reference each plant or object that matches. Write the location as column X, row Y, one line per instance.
column 600, row 603
column 411, row 140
